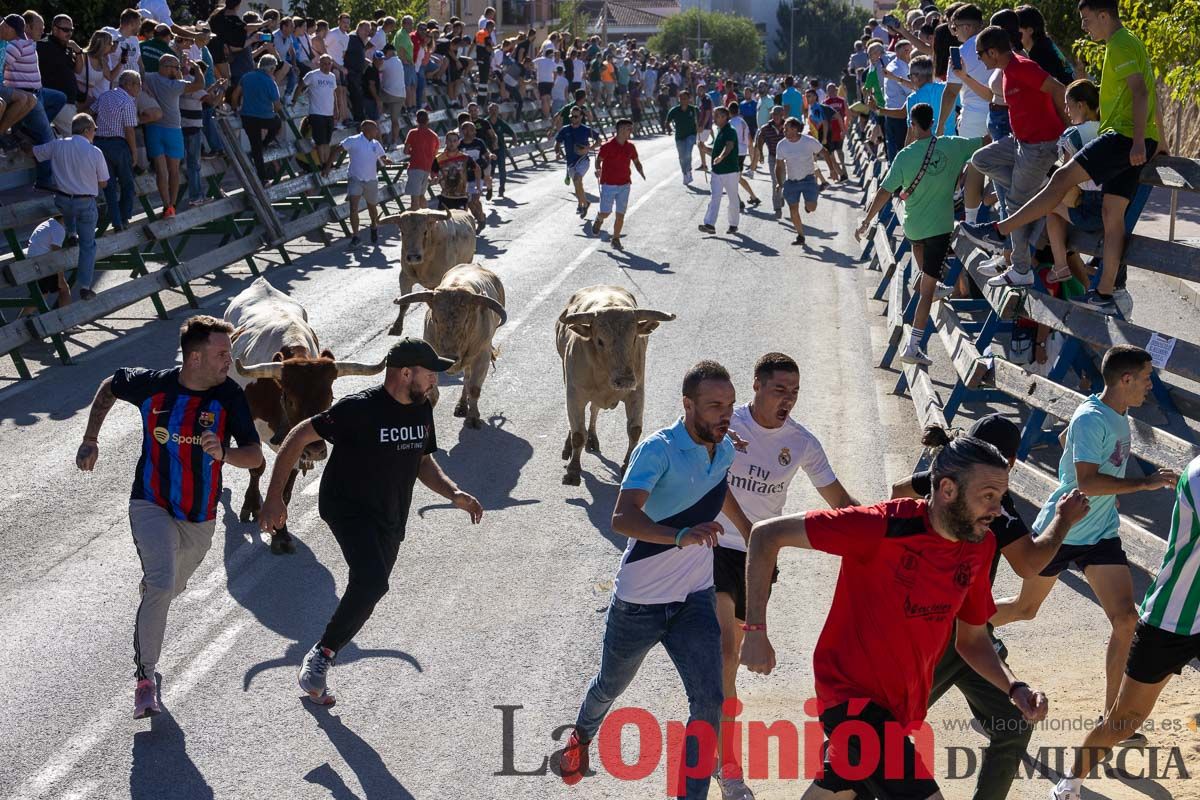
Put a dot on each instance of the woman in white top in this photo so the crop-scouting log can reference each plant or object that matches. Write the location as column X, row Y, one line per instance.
column 93, row 75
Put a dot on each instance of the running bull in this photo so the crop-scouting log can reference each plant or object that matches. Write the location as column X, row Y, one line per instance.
column 287, row 378
column 431, row 243
column 462, row 316
column 601, row 337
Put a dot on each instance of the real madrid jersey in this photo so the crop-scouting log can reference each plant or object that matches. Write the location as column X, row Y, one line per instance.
column 764, row 468
column 173, row 471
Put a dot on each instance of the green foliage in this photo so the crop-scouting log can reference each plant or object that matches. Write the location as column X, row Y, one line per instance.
column 573, row 19
column 736, row 45
column 822, row 27
column 88, row 15
column 359, row 9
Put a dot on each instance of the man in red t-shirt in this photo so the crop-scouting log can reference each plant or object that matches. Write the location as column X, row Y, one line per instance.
column 613, row 169
column 1021, row 163
column 910, row 568
column 420, row 145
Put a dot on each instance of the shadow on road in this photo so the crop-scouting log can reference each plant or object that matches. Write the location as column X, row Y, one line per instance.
column 507, row 455
column 628, row 260
column 161, row 764
column 603, row 498
column 377, row 781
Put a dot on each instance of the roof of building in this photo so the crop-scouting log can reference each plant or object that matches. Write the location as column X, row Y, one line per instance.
column 634, row 13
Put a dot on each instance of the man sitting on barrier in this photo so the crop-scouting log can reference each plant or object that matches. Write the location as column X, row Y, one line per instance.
column 1130, row 121
column 1095, row 453
column 925, row 173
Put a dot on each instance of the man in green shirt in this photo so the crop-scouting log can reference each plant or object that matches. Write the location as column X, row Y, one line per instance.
column 402, row 41
column 924, row 174
column 684, row 119
column 564, row 113
column 1167, row 637
column 1130, row 123
column 725, row 172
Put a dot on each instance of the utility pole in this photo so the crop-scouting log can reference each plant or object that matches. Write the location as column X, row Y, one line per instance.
column 604, row 22
column 792, row 38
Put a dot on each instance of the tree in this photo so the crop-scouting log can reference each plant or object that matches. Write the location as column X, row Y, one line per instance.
column 573, row 19
column 822, row 28
column 359, row 9
column 736, row 46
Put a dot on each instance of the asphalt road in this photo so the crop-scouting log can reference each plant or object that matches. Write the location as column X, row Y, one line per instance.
column 508, row 613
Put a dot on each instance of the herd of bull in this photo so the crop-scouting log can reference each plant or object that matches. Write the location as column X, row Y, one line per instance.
column 600, row 335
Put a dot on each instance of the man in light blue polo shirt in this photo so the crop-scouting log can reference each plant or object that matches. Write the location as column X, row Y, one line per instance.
column 1094, row 457
column 671, row 495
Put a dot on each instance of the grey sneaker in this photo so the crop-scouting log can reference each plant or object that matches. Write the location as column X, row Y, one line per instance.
column 913, row 355
column 313, row 672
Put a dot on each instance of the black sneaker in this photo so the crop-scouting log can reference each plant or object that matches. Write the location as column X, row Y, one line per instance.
column 87, row 294
column 616, row 243
column 374, row 235
column 731, row 229
column 779, row 213
column 983, row 235
column 754, row 201
column 706, row 228
column 355, row 241
column 799, row 240
column 70, row 241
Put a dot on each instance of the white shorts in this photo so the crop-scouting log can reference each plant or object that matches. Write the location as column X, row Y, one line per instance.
column 368, row 189
column 580, row 167
column 417, row 183
column 973, row 126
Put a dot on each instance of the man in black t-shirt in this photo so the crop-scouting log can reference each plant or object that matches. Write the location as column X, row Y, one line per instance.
column 1001, row 721
column 189, row 416
column 383, row 442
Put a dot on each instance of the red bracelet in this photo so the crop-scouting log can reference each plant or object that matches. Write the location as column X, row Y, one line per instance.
column 760, row 627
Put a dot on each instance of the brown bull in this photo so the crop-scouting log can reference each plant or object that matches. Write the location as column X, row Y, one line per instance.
column 463, row 314
column 286, row 381
column 431, row 243
column 601, row 337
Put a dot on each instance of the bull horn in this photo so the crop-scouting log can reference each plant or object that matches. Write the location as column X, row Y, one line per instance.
column 413, row 297
column 270, row 370
column 345, row 368
column 491, row 303
column 578, row 318
column 650, row 315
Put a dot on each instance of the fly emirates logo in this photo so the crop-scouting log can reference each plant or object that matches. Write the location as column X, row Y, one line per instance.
column 409, row 437
column 757, row 480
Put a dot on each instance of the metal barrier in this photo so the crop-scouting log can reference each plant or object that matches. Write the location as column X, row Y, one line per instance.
column 967, row 330
column 249, row 220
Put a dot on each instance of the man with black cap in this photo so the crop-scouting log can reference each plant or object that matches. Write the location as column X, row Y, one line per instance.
column 1001, row 721
column 383, row 442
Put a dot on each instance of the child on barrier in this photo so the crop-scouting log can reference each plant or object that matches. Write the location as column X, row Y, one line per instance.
column 1082, row 208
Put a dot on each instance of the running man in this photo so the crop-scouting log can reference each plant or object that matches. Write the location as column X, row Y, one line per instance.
column 684, row 120
column 421, row 146
column 1166, row 639
column 795, row 172
column 366, row 153
column 672, row 492
column 742, row 128
column 383, row 442
column 189, row 415
column 725, row 172
column 612, row 167
column 1095, row 454
column 910, row 569
column 771, row 447
column 449, row 167
column 577, row 139
column 1001, row 721
column 771, row 133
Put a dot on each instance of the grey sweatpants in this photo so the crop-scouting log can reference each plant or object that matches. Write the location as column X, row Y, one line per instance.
column 170, row 550
column 1022, row 169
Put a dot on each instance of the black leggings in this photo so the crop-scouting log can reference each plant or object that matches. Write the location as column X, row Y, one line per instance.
column 261, row 133
column 370, row 552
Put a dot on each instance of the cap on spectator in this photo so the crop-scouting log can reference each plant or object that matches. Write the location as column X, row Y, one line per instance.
column 379, row 54
column 413, row 352
column 162, row 30
column 17, row 23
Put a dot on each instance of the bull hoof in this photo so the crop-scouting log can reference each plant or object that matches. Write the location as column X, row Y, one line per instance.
column 396, row 330
column 460, row 410
column 282, row 543
column 571, row 479
column 593, row 443
column 474, row 422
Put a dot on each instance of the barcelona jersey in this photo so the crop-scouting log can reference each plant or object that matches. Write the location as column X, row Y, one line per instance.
column 173, row 471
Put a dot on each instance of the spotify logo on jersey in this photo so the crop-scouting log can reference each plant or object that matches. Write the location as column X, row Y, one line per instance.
column 161, row 435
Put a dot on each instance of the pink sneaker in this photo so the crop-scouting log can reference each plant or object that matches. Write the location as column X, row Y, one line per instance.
column 145, row 699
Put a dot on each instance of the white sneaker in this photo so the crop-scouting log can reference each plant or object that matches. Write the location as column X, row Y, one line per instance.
column 993, row 267
column 1012, row 278
column 942, row 291
column 734, row 789
column 1065, row 791
column 913, row 355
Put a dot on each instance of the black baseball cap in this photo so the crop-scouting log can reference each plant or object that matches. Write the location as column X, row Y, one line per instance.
column 412, row 352
column 1000, row 432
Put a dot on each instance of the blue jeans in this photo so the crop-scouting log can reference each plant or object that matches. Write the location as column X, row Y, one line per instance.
column 191, row 147
column 79, row 218
column 894, row 133
column 692, row 638
column 120, row 171
column 37, row 124
column 501, row 166
column 211, row 134
column 685, row 147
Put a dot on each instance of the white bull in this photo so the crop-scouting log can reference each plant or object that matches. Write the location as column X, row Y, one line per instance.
column 601, row 337
column 463, row 314
column 431, row 243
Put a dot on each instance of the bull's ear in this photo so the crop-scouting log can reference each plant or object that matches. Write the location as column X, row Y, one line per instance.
column 647, row 327
column 581, row 329
column 327, row 353
column 279, row 356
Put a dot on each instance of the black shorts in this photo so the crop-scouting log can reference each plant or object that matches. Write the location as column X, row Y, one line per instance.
column 321, row 128
column 729, row 577
column 1106, row 161
column 834, row 146
column 1156, row 653
column 933, row 254
column 893, row 781
column 1104, row 552
column 452, row 202
column 545, row 89
column 741, row 163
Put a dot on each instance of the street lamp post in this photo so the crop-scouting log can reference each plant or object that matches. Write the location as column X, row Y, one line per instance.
column 792, row 39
